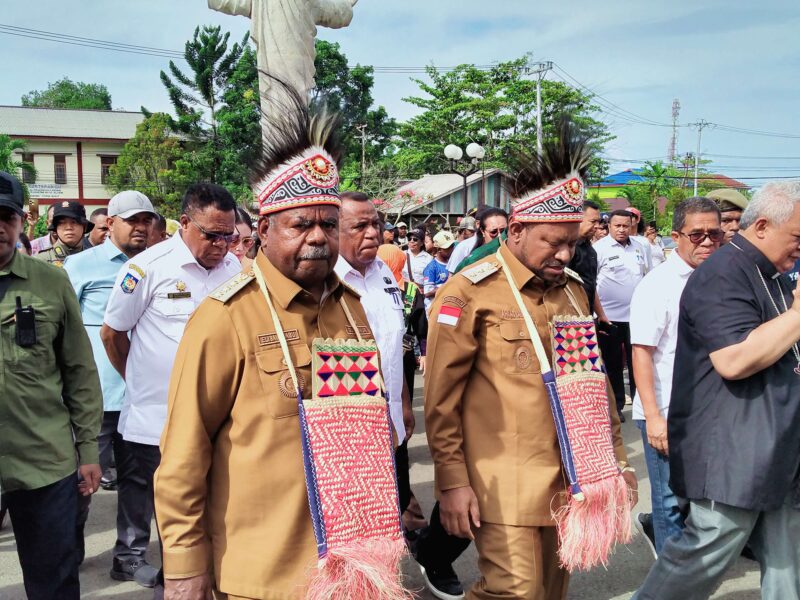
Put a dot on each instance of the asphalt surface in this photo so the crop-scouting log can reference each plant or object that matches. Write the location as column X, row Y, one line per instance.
column 626, row 570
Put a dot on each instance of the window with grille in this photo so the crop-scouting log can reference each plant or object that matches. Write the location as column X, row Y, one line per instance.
column 60, row 168
column 28, row 176
column 105, row 167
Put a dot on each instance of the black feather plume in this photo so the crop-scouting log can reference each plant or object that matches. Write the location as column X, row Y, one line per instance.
column 568, row 153
column 292, row 127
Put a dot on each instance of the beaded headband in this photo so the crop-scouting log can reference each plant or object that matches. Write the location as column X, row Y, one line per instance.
column 306, row 179
column 561, row 202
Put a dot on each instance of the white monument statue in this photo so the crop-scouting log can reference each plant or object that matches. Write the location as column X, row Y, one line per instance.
column 284, row 32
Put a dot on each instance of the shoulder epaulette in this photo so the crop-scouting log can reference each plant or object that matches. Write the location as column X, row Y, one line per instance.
column 480, row 271
column 232, row 287
column 349, row 287
column 574, row 275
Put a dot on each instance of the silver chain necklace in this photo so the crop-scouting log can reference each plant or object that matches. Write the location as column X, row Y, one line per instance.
column 795, row 349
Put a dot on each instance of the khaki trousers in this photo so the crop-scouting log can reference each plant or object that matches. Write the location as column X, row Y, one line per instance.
column 518, row 563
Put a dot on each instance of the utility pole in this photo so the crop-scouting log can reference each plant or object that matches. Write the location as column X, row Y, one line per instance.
column 673, row 144
column 701, row 124
column 539, row 69
column 363, row 129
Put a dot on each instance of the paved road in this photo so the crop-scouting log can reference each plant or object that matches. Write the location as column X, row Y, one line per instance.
column 626, row 570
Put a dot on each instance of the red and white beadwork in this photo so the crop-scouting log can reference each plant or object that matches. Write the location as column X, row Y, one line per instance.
column 562, row 202
column 306, row 179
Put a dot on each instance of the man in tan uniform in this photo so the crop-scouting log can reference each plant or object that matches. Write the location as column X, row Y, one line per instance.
column 230, row 493
column 488, row 419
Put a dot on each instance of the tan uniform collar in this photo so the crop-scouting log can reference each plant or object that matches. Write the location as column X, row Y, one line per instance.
column 284, row 290
column 523, row 275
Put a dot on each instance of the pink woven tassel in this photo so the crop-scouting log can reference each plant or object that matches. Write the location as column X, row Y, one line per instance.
column 363, row 570
column 588, row 530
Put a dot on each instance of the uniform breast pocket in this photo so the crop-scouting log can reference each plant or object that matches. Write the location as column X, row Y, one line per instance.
column 277, row 383
column 173, row 313
column 517, row 350
column 33, row 357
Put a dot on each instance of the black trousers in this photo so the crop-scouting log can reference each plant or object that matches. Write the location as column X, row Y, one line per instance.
column 45, row 529
column 436, row 548
column 615, row 343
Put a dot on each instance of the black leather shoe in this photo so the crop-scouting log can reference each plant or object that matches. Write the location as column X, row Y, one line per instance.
column 108, row 484
column 138, row 570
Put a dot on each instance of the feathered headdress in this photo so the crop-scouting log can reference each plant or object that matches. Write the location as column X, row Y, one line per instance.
column 549, row 187
column 300, row 155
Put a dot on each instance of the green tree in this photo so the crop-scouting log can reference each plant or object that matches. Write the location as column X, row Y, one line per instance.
column 197, row 97
column 349, row 92
column 66, row 93
column 494, row 107
column 8, row 147
column 153, row 162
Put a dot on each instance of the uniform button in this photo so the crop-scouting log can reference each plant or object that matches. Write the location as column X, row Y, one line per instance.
column 283, row 362
column 522, row 333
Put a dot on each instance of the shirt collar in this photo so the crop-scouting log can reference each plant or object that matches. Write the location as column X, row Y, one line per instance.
column 344, row 269
column 683, row 268
column 111, row 250
column 284, row 290
column 754, row 254
column 16, row 267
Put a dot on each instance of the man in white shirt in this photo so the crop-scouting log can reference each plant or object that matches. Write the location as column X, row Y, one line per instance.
column 152, row 299
column 416, row 257
column 467, row 238
column 636, row 218
column 360, row 268
column 621, row 264
column 697, row 233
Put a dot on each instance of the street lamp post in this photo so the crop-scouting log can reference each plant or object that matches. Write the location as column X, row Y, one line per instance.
column 464, row 167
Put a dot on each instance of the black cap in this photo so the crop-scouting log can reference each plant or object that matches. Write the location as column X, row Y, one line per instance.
column 72, row 210
column 11, row 193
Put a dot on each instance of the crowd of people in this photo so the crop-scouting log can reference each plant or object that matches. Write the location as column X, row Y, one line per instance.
column 249, row 382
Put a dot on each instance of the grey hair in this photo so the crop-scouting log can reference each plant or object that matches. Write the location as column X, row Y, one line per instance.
column 690, row 206
column 774, row 201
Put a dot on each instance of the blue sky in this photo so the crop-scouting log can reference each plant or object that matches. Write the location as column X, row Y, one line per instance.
column 732, row 62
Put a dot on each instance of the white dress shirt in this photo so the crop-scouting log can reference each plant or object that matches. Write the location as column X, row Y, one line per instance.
column 418, row 264
column 153, row 297
column 383, row 302
column 654, row 322
column 619, row 270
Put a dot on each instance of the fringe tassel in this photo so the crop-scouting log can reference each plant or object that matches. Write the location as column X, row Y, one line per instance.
column 589, row 529
column 362, row 570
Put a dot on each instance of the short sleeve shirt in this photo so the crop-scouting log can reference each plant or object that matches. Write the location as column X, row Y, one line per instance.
column 383, row 302
column 735, row 442
column 93, row 273
column 654, row 322
column 417, row 265
column 619, row 270
column 435, row 276
column 153, row 297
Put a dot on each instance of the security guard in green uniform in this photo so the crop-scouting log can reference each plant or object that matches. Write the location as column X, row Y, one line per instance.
column 70, row 226
column 50, row 410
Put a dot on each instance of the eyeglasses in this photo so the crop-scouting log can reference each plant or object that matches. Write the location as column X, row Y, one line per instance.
column 246, row 242
column 698, row 237
column 494, row 232
column 215, row 238
column 413, row 238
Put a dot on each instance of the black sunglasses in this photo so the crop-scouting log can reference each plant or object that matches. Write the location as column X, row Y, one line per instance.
column 213, row 237
column 715, row 235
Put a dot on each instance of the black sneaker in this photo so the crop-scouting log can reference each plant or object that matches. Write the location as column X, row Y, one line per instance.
column 644, row 523
column 442, row 582
column 138, row 570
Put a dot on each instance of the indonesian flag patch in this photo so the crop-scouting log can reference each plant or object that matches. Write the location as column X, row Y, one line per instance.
column 448, row 315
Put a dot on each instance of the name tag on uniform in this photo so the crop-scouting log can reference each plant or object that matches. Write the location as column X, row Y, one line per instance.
column 614, row 261
column 179, row 295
